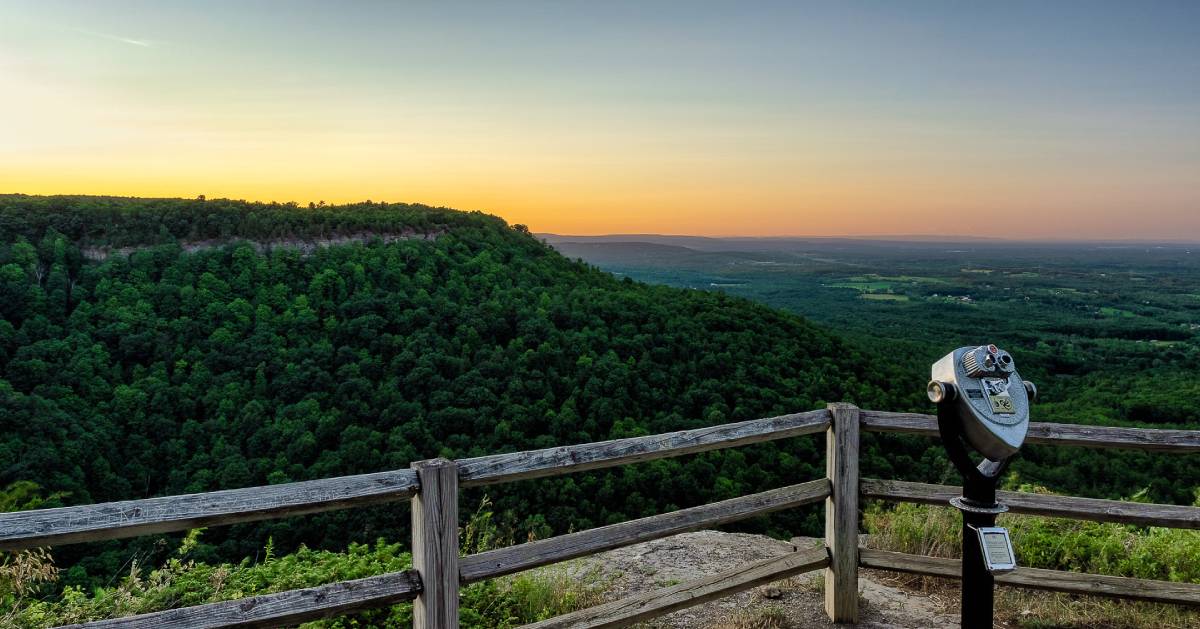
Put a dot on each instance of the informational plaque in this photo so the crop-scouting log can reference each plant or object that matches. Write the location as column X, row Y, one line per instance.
column 997, row 549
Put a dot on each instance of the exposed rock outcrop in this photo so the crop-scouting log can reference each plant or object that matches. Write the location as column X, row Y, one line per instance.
column 307, row 246
column 796, row 602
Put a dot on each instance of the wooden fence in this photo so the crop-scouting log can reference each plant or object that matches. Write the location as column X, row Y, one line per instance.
column 438, row 571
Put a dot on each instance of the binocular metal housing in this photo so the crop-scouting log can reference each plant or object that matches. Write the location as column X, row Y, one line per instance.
column 991, row 399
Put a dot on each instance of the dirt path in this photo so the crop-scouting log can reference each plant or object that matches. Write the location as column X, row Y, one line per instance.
column 795, row 602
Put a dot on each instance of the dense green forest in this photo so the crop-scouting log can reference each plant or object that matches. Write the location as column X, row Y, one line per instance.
column 161, row 370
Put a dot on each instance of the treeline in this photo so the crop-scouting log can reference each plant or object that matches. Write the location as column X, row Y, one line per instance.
column 92, row 221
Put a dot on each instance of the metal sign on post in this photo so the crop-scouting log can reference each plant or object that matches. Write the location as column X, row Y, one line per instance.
column 997, row 549
column 983, row 407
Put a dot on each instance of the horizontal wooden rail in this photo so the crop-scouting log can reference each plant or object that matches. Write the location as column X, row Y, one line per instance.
column 504, row 468
column 1153, row 439
column 494, row 563
column 279, row 610
column 115, row 520
column 129, row 518
column 1041, row 579
column 635, row 609
column 1094, row 509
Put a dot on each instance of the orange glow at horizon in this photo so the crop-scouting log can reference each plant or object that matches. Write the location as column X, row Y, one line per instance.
column 711, row 122
column 645, row 202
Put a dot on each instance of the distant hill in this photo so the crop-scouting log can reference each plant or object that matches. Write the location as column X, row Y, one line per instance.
column 703, row 243
column 916, row 242
column 613, row 255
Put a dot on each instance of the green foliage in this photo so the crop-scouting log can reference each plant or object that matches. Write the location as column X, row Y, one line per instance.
column 24, row 495
column 1057, row 544
column 1052, row 543
column 914, row 529
column 25, row 573
column 1156, row 553
column 181, row 581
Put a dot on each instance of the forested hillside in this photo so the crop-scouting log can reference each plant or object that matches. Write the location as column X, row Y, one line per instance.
column 163, row 371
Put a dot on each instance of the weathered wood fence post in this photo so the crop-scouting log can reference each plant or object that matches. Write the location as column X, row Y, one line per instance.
column 841, row 514
column 435, row 544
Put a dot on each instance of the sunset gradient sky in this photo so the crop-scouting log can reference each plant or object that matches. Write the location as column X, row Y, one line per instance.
column 1041, row 119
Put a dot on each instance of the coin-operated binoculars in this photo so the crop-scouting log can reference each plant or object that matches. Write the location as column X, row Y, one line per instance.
column 982, row 405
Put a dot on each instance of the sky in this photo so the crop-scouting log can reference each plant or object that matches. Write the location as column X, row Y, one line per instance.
column 1064, row 120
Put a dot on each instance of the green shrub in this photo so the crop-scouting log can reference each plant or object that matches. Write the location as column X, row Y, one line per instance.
column 1053, row 543
column 1058, row 544
column 181, row 582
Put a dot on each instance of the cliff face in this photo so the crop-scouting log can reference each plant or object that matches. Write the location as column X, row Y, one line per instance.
column 306, row 246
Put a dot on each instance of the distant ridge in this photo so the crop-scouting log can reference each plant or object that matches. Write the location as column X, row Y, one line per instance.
column 753, row 243
column 550, row 237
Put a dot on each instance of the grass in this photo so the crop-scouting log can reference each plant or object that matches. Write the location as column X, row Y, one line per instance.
column 1150, row 553
column 1046, row 610
column 912, row 279
column 883, row 285
column 769, row 617
column 768, row 612
column 552, row 591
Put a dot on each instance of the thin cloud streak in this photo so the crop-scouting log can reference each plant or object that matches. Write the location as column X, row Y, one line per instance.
column 117, row 38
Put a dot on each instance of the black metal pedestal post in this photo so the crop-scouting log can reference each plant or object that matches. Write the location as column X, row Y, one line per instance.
column 979, row 508
column 978, row 585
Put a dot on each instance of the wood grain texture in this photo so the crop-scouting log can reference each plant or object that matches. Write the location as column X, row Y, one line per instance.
column 130, row 518
column 114, row 520
column 1094, row 509
column 841, row 514
column 910, row 423
column 512, row 559
column 502, row 468
column 279, row 610
column 435, row 544
column 1040, row 579
column 634, row 609
column 1152, row 439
